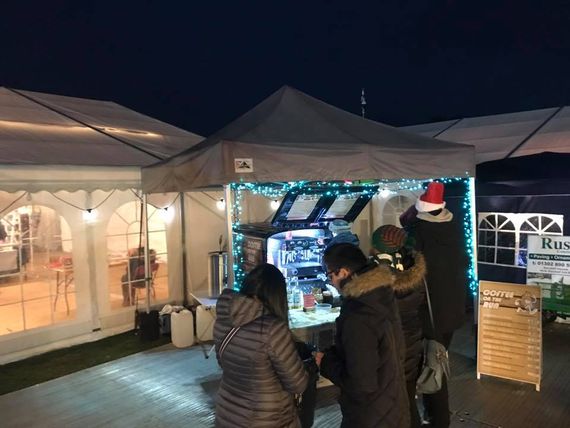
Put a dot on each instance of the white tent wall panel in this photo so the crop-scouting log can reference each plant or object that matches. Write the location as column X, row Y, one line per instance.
column 175, row 256
column 256, row 208
column 104, row 224
column 101, row 252
column 83, row 323
column 204, row 225
column 91, row 268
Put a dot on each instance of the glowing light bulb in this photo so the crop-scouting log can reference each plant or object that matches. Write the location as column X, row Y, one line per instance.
column 221, row 204
column 384, row 193
column 275, row 204
column 167, row 214
column 90, row 215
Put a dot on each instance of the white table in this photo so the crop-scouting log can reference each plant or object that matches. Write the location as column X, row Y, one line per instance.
column 8, row 261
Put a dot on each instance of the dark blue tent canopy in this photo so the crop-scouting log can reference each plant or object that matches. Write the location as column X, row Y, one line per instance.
column 537, row 183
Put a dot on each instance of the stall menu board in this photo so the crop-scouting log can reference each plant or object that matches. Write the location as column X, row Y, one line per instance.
column 303, row 207
column 548, row 265
column 341, row 206
column 252, row 251
column 510, row 332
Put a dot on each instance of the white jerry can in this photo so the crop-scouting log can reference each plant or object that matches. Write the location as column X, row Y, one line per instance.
column 205, row 318
column 182, row 328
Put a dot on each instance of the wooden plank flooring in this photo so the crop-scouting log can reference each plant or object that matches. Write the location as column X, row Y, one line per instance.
column 168, row 387
column 498, row 402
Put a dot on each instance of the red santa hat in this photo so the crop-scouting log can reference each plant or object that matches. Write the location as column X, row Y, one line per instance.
column 432, row 199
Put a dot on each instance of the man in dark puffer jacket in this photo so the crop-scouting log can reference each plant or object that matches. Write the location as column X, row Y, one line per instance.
column 366, row 361
column 261, row 367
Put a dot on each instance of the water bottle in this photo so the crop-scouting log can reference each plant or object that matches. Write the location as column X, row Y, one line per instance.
column 289, row 295
column 297, row 294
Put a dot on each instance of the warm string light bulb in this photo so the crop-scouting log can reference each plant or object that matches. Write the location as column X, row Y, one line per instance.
column 166, row 214
column 275, row 204
column 221, row 204
column 90, row 215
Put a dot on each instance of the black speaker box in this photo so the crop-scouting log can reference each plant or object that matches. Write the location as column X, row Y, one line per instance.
column 148, row 324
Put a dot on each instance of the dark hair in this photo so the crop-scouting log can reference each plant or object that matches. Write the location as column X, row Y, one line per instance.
column 345, row 256
column 267, row 283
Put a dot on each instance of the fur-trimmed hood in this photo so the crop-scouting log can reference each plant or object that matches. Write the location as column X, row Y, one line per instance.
column 410, row 279
column 376, row 277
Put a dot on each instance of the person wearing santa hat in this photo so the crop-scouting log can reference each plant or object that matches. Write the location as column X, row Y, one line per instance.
column 438, row 236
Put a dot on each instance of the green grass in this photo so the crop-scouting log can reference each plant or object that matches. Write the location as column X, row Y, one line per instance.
column 54, row 364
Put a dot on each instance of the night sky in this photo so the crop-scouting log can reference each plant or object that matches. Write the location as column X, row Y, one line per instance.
column 201, row 64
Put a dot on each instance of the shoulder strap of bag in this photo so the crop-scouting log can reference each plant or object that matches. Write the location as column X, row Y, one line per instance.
column 227, row 340
column 429, row 306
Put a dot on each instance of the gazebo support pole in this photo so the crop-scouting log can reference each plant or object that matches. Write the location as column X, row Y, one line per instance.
column 229, row 217
column 147, row 267
column 184, row 251
column 473, row 214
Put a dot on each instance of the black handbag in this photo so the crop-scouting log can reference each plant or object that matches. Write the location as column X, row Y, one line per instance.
column 435, row 360
column 306, row 402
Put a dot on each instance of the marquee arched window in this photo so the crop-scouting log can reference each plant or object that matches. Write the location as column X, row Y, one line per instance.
column 394, row 208
column 497, row 239
column 503, row 237
column 37, row 286
column 125, row 255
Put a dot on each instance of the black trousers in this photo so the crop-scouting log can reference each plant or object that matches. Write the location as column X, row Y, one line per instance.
column 437, row 405
column 415, row 421
column 309, row 397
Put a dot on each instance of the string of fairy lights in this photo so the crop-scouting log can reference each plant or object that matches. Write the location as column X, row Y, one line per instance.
column 276, row 191
column 382, row 188
column 90, row 212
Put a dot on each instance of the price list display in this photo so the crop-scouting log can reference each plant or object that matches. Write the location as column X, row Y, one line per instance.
column 252, row 250
column 510, row 332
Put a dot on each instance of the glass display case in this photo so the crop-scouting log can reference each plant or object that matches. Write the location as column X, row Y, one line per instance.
column 296, row 237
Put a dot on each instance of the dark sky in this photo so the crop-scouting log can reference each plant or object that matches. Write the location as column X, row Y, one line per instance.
column 200, row 64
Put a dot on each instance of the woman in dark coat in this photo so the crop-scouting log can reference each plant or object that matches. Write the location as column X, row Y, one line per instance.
column 366, row 361
column 438, row 236
column 409, row 268
column 261, row 368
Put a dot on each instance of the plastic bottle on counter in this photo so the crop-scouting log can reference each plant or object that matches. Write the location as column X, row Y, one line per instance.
column 297, row 293
column 289, row 295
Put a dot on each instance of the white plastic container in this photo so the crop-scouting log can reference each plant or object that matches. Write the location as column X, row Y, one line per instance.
column 205, row 319
column 182, row 328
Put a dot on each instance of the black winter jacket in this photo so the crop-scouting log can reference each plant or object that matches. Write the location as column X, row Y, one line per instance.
column 440, row 239
column 367, row 359
column 261, row 367
column 410, row 296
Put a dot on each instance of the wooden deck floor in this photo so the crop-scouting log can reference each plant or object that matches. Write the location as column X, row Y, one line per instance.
column 168, row 387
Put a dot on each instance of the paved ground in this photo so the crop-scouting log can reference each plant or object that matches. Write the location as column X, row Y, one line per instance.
column 168, row 387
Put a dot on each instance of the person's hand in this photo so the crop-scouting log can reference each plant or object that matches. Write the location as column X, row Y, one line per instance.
column 318, row 357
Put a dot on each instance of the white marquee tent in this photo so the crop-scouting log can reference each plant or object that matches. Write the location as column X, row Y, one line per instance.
column 505, row 135
column 64, row 160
